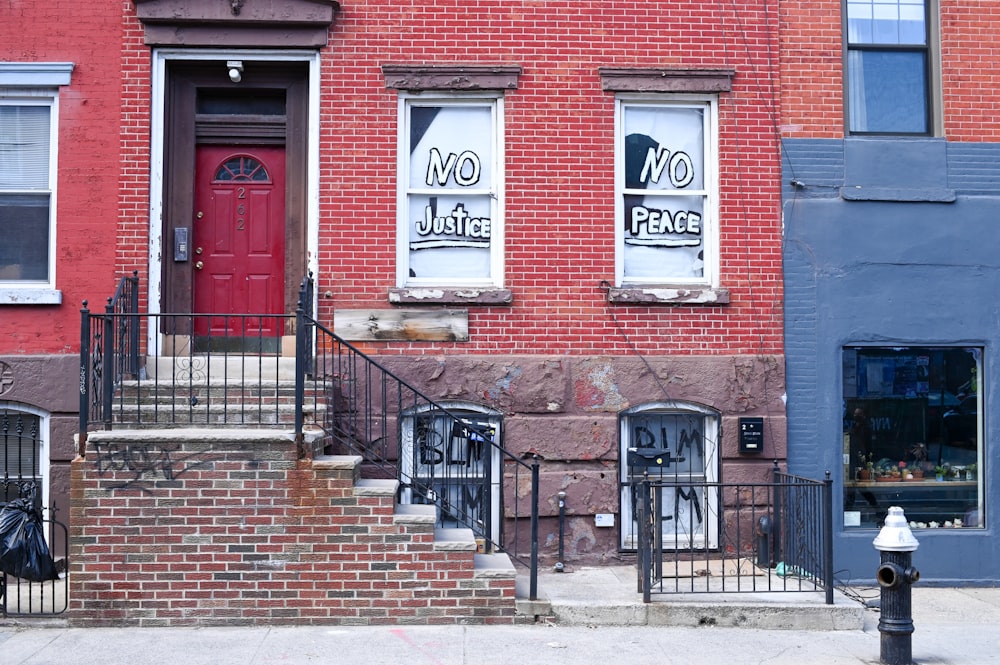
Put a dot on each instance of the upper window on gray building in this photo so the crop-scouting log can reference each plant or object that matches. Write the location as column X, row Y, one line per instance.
column 888, row 67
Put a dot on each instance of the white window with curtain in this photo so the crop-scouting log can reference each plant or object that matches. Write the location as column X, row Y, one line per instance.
column 888, row 66
column 29, row 112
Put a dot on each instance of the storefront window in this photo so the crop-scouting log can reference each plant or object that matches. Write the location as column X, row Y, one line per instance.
column 912, row 436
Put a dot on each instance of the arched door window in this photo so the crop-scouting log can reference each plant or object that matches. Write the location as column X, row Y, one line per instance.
column 678, row 443
column 22, row 451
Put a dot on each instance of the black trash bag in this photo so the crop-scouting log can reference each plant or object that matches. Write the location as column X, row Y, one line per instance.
column 23, row 551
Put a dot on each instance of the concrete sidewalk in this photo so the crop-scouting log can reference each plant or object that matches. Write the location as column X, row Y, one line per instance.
column 599, row 619
column 608, row 596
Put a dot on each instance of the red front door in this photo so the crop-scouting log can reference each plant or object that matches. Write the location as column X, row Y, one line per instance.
column 239, row 241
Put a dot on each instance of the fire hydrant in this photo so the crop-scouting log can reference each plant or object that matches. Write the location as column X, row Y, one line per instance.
column 895, row 575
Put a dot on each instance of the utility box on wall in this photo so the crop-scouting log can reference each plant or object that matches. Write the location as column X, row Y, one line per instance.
column 751, row 435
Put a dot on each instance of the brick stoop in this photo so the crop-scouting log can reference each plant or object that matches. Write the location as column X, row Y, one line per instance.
column 187, row 527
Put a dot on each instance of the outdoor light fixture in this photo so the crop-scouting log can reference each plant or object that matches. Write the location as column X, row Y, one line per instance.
column 235, row 70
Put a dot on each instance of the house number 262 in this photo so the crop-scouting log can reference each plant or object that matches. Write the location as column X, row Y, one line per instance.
column 241, row 193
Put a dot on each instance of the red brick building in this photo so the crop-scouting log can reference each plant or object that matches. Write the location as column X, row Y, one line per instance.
column 60, row 94
column 560, row 217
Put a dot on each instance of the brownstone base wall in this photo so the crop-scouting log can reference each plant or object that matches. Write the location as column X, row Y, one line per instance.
column 200, row 527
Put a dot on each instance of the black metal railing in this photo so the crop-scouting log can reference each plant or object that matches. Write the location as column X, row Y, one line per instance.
column 451, row 457
column 230, row 370
column 740, row 537
column 109, row 348
column 206, row 369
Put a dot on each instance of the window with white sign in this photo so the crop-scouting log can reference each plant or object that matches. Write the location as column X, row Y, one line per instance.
column 665, row 177
column 455, row 464
column 451, row 196
column 675, row 443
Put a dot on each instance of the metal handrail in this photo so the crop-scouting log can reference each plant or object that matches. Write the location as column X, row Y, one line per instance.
column 363, row 408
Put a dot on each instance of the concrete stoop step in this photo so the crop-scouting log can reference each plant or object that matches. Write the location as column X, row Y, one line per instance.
column 608, row 596
column 486, row 566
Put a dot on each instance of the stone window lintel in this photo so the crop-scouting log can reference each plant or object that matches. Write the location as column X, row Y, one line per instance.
column 666, row 79
column 451, row 77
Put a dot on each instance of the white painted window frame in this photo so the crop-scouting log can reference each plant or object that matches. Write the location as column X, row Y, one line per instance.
column 44, row 452
column 711, row 504
column 710, row 277
column 405, row 100
column 465, row 410
column 37, row 84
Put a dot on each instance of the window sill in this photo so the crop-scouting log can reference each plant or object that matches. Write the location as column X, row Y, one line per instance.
column 668, row 295
column 430, row 295
column 16, row 296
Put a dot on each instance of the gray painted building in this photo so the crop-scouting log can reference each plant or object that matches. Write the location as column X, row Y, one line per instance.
column 892, row 338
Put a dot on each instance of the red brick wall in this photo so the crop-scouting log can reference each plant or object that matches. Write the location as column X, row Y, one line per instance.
column 559, row 139
column 559, row 144
column 812, row 69
column 219, row 531
column 970, row 37
column 559, row 148
column 87, row 35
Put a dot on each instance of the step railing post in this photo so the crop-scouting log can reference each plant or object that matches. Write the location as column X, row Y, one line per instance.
column 84, row 377
column 108, row 366
column 300, row 379
column 828, row 537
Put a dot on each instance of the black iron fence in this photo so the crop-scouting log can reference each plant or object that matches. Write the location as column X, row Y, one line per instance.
column 187, row 377
column 34, row 553
column 742, row 537
column 232, row 370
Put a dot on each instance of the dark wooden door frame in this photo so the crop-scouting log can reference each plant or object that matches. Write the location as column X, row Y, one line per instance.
column 183, row 130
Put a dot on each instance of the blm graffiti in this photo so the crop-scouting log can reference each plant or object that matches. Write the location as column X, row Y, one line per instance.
column 681, row 461
column 142, row 466
column 451, row 466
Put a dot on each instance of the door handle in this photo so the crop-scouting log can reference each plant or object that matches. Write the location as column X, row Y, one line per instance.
column 199, row 265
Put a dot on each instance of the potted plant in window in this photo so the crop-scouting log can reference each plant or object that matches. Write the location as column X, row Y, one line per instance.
column 887, row 471
column 866, row 470
column 942, row 472
column 920, row 463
